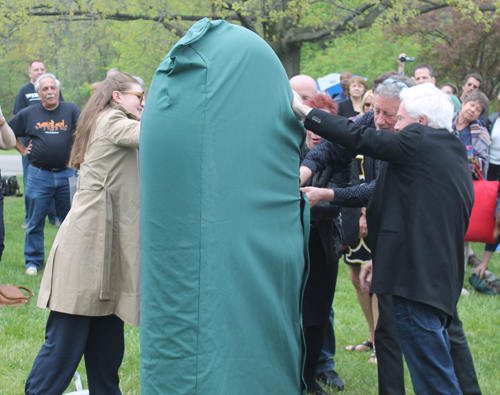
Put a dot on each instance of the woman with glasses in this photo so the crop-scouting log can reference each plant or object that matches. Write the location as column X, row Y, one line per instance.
column 91, row 279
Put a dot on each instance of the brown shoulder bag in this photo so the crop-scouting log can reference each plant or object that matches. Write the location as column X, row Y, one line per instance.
column 11, row 295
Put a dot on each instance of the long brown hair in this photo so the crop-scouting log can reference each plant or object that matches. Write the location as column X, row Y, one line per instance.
column 98, row 103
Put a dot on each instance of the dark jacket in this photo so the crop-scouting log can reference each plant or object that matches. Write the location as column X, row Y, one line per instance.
column 346, row 109
column 420, row 208
column 324, row 215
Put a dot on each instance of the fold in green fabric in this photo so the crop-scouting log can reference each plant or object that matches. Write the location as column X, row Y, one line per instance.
column 222, row 244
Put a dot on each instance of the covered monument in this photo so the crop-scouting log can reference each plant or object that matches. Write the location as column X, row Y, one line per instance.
column 222, row 243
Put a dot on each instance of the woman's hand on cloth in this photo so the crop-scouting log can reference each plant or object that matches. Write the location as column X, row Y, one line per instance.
column 316, row 195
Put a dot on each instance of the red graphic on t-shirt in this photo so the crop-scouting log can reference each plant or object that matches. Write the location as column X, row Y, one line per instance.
column 52, row 126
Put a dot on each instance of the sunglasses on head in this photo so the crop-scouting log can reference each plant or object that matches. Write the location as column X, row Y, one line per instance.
column 399, row 84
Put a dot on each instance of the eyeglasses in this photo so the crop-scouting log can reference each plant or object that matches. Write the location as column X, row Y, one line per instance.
column 399, row 84
column 140, row 95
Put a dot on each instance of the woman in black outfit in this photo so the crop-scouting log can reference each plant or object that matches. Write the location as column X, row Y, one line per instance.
column 324, row 251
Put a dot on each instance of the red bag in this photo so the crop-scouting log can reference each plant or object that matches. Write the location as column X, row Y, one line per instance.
column 482, row 218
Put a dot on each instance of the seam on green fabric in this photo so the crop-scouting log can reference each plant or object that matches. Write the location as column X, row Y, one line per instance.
column 201, row 216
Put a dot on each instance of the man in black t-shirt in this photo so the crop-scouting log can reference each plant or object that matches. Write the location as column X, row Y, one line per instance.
column 49, row 125
column 27, row 96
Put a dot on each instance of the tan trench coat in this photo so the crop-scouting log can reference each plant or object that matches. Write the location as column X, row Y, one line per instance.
column 93, row 266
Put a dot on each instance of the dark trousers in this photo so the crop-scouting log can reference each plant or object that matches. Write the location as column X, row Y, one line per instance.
column 493, row 172
column 389, row 354
column 67, row 337
column 317, row 305
column 390, row 360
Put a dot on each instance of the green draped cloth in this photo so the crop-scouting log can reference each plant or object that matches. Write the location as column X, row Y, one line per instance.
column 222, row 244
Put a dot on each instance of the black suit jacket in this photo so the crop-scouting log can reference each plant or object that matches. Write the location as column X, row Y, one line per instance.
column 420, row 208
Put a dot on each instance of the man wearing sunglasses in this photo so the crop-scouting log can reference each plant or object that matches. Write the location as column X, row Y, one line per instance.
column 472, row 83
column 49, row 127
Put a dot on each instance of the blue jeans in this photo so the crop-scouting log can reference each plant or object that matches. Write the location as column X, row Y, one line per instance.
column 43, row 187
column 426, row 347
column 326, row 362
column 52, row 213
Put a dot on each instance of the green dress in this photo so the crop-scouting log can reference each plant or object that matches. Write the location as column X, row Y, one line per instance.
column 222, row 243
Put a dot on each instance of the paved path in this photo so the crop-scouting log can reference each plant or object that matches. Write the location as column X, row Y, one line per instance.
column 11, row 165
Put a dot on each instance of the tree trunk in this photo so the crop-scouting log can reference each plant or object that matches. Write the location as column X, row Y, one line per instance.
column 289, row 54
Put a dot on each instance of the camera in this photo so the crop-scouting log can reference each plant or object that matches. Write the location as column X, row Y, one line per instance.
column 407, row 58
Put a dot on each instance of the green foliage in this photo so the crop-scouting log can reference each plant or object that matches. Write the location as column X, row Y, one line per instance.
column 360, row 53
column 80, row 41
column 458, row 43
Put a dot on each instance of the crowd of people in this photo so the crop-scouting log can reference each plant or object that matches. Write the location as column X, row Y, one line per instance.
column 398, row 172
column 388, row 173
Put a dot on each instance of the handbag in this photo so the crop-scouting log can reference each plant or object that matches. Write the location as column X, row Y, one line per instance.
column 12, row 295
column 482, row 219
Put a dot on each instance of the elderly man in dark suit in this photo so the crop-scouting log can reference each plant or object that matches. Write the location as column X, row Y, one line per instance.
column 421, row 203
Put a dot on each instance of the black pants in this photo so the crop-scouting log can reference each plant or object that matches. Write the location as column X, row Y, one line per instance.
column 317, row 303
column 67, row 337
column 493, row 172
column 390, row 355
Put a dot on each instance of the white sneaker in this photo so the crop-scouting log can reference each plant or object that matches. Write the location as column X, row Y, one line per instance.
column 465, row 292
column 31, row 271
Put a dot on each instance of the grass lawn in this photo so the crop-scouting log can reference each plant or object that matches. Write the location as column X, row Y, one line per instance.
column 22, row 328
column 10, row 152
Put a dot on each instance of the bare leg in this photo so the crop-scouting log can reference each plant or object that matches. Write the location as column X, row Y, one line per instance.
column 365, row 300
column 373, row 357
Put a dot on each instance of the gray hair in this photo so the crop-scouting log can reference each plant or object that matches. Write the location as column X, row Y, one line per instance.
column 112, row 71
column 140, row 81
column 481, row 98
column 47, row 75
column 392, row 89
column 427, row 100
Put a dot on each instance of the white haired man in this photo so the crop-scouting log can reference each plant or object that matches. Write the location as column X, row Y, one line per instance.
column 28, row 96
column 418, row 215
column 49, row 125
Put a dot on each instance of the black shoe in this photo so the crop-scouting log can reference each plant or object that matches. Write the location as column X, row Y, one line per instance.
column 316, row 389
column 332, row 379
